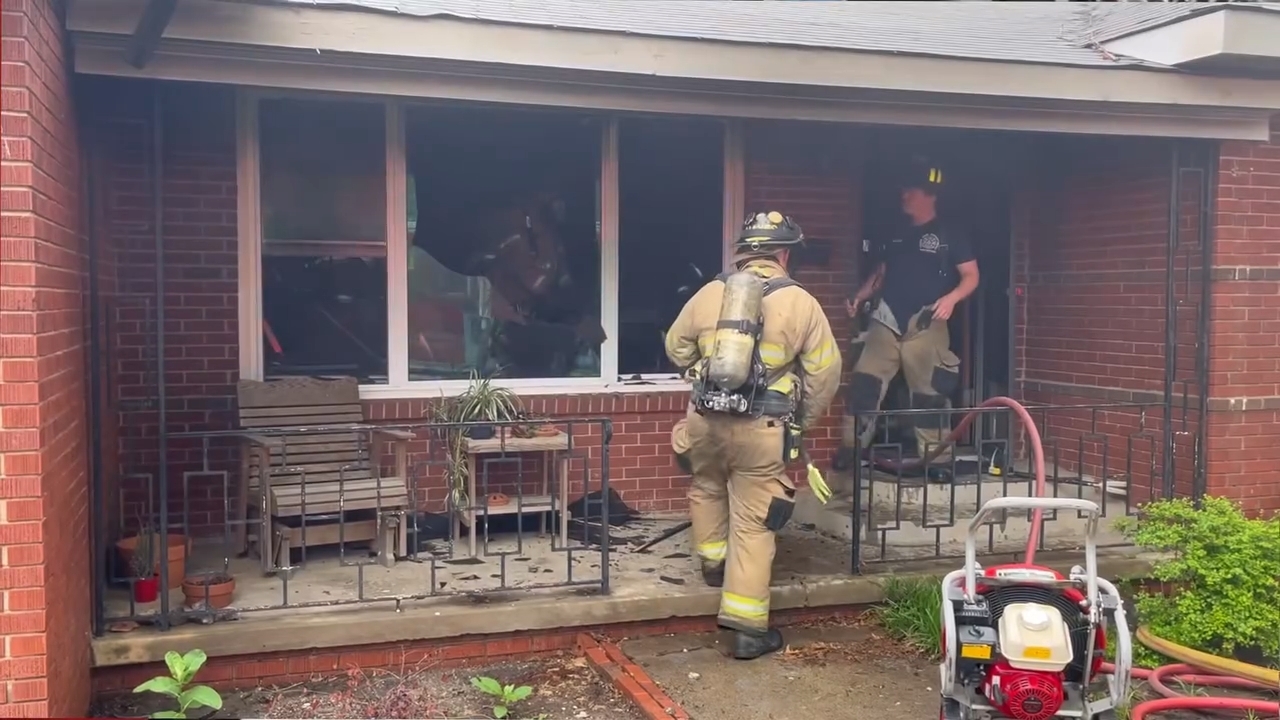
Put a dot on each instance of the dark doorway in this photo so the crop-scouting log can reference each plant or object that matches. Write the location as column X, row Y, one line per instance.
column 978, row 167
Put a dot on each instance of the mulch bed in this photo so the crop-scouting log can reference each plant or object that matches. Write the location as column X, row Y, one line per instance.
column 565, row 687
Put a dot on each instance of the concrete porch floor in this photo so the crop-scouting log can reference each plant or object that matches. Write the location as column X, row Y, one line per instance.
column 812, row 569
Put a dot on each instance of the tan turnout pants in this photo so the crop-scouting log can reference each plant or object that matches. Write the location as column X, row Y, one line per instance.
column 740, row 497
column 932, row 373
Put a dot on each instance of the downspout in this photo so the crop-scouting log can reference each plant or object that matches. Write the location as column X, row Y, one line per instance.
column 1170, row 319
column 1208, row 200
column 97, row 543
column 162, row 430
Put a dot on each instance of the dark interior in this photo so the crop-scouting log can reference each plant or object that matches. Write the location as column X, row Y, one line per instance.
column 477, row 175
column 671, row 198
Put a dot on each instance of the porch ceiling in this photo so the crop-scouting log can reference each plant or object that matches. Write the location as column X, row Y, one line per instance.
column 343, row 50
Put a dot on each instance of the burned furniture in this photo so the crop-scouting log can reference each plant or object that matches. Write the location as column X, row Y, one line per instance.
column 311, row 471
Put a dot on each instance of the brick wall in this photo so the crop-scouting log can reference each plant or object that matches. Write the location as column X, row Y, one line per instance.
column 1243, row 452
column 813, row 173
column 1090, row 268
column 44, row 658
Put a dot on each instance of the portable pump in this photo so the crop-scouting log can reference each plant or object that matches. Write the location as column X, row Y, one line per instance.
column 1023, row 642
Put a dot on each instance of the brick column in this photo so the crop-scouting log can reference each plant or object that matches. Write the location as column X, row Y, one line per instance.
column 1243, row 448
column 44, row 519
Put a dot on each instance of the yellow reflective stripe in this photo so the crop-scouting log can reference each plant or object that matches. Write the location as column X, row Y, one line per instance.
column 744, row 607
column 773, row 355
column 820, row 358
column 706, row 343
column 784, row 384
column 715, row 551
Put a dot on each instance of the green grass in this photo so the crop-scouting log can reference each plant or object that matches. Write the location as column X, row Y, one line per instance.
column 911, row 612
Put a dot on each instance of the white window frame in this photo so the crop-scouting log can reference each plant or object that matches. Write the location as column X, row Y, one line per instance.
column 398, row 386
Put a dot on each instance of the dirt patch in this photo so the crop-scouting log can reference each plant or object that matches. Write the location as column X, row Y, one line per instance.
column 564, row 688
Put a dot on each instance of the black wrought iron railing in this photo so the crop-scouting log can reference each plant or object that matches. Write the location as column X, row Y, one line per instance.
column 1111, row 454
column 418, row 510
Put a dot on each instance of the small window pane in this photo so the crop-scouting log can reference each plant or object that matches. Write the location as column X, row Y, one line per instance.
column 504, row 250
column 324, row 242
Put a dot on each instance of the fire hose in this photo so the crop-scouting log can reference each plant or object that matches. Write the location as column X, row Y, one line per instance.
column 1195, row 667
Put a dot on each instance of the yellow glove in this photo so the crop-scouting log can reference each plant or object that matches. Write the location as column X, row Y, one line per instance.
column 818, row 485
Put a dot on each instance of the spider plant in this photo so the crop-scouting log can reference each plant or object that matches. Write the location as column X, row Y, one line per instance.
column 482, row 402
column 143, row 561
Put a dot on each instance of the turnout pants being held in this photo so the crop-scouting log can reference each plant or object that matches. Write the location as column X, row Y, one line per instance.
column 932, row 373
column 740, row 497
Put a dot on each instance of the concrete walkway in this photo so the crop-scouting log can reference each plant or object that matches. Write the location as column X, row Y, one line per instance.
column 830, row 672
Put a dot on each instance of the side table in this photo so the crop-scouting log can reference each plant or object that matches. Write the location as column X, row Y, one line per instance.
column 554, row 451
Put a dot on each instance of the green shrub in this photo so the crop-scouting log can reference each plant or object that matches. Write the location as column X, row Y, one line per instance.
column 1222, row 577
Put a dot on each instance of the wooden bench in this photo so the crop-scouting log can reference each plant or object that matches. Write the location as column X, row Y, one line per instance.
column 310, row 465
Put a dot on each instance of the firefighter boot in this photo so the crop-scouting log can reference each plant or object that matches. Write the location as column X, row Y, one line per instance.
column 751, row 645
column 713, row 575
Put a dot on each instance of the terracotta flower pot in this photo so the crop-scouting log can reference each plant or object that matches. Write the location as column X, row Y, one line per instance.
column 178, row 548
column 217, row 588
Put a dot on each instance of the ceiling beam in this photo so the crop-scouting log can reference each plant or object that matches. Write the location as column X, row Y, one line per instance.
column 146, row 35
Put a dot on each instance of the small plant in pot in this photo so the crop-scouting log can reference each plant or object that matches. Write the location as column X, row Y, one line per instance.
column 142, row 563
column 209, row 590
column 469, row 416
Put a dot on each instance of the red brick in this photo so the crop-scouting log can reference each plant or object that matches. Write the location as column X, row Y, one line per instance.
column 43, row 417
column 25, row 646
column 29, row 690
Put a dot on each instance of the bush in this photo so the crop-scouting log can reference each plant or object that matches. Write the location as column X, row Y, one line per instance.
column 1221, row 579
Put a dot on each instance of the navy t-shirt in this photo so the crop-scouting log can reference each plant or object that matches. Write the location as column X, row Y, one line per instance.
column 920, row 267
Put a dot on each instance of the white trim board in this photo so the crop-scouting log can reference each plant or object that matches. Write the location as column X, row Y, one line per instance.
column 299, row 71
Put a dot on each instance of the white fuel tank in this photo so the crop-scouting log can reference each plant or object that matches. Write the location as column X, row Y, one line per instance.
column 1035, row 637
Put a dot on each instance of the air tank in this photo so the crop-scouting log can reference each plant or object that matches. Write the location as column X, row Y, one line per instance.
column 734, row 345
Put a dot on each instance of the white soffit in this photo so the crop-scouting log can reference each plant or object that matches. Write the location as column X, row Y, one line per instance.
column 349, row 51
column 1236, row 38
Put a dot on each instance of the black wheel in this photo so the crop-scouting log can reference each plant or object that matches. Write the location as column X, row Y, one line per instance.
column 950, row 710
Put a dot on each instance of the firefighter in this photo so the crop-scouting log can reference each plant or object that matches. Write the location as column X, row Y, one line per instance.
column 767, row 329
column 923, row 274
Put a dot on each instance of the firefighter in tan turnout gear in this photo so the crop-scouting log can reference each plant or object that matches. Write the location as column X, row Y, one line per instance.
column 764, row 365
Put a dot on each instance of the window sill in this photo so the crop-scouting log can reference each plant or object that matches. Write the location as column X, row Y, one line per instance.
column 526, row 388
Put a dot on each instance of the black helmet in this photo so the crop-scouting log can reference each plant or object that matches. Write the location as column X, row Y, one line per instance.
column 922, row 175
column 767, row 232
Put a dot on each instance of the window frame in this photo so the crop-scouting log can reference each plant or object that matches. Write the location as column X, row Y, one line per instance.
column 398, row 385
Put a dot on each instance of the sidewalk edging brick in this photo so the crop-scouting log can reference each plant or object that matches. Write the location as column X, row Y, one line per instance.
column 630, row 679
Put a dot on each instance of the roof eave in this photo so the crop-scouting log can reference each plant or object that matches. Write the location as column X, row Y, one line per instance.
column 1238, row 40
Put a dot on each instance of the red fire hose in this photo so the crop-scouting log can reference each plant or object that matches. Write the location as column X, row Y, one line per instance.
column 1228, row 675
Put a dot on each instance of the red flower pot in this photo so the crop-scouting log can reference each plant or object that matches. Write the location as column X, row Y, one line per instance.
column 146, row 590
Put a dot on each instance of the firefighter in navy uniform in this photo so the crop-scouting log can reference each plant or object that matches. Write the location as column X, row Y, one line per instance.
column 764, row 365
column 922, row 274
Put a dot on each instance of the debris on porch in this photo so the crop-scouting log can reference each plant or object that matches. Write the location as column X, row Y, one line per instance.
column 511, row 562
